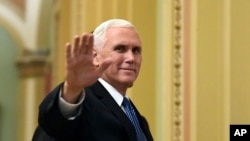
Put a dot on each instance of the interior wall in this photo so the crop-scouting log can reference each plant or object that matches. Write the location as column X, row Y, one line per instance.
column 9, row 86
column 240, row 66
column 220, row 68
column 208, row 53
column 209, row 75
column 27, row 30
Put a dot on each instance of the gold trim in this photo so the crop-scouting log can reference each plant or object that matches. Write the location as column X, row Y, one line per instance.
column 177, row 100
column 226, row 68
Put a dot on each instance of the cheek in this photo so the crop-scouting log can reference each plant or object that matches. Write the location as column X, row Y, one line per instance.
column 117, row 61
column 115, row 66
column 138, row 62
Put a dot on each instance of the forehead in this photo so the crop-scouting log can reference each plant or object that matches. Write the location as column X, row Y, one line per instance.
column 125, row 35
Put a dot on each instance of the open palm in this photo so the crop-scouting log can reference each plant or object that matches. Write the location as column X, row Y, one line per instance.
column 81, row 71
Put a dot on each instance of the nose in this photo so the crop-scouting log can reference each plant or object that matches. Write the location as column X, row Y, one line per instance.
column 130, row 57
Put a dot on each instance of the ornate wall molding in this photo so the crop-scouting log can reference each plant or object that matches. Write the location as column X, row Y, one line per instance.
column 33, row 63
column 177, row 76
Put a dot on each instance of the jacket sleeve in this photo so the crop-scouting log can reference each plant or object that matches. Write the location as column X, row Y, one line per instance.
column 52, row 121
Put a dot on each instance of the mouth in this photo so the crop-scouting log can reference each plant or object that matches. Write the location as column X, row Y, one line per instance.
column 128, row 69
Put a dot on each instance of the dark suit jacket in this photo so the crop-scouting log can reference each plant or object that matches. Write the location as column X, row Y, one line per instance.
column 40, row 135
column 99, row 118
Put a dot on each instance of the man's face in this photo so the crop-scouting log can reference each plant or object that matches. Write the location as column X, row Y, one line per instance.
column 124, row 46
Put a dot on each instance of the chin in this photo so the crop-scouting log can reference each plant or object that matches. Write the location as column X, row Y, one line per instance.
column 129, row 83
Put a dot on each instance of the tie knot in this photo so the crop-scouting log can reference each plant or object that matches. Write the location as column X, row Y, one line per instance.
column 125, row 102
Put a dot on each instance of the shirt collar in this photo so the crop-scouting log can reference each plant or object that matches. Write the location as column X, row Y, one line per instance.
column 118, row 97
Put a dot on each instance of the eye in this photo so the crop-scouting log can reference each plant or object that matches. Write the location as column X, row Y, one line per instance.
column 120, row 48
column 136, row 50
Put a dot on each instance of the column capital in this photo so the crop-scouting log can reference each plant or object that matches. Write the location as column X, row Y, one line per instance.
column 33, row 62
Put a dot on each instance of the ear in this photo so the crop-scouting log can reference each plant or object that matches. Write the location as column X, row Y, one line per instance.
column 96, row 58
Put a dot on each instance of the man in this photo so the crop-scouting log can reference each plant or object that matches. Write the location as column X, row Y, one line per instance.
column 92, row 105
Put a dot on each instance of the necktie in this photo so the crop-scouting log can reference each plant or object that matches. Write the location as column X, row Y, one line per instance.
column 129, row 110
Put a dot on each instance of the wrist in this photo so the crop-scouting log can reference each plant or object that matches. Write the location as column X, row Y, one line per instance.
column 71, row 94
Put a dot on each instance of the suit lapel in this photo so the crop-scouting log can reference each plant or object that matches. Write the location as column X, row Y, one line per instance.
column 110, row 103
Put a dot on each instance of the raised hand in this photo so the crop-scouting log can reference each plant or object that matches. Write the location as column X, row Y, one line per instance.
column 81, row 71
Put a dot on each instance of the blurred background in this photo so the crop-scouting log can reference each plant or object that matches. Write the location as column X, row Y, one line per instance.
column 195, row 76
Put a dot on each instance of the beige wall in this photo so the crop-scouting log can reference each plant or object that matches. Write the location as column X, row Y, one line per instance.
column 219, row 68
column 240, row 66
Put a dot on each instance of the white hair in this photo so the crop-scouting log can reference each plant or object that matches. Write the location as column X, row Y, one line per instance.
column 100, row 31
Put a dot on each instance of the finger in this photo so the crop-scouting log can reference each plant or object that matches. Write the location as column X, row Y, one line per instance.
column 90, row 44
column 76, row 45
column 83, row 43
column 68, row 52
column 104, row 65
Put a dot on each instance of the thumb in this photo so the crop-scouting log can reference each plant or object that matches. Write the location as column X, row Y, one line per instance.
column 104, row 64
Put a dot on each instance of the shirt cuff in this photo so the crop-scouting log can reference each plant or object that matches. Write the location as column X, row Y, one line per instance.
column 70, row 110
